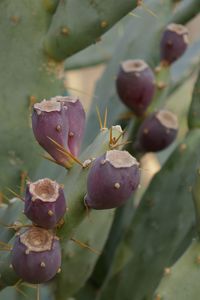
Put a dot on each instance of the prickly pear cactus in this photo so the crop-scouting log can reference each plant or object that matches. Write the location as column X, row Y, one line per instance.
column 79, row 226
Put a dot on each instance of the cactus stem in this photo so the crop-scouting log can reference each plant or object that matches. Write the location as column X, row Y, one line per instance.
column 196, row 200
column 15, row 194
column 83, row 245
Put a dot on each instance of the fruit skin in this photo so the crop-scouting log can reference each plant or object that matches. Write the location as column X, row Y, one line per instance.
column 135, row 85
column 75, row 115
column 173, row 43
column 109, row 186
column 51, row 123
column 46, row 213
column 155, row 135
column 32, row 266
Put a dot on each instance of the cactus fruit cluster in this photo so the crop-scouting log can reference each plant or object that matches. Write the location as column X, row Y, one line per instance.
column 79, row 226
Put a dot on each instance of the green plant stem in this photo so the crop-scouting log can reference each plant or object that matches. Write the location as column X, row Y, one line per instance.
column 196, row 199
column 186, row 10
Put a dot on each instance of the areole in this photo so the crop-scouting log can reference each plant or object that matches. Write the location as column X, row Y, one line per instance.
column 44, row 189
column 167, row 119
column 37, row 239
column 178, row 28
column 120, row 159
column 133, row 65
column 48, row 106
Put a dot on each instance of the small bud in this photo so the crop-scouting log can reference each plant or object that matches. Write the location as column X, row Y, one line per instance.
column 43, row 260
column 109, row 185
column 158, row 131
column 174, row 42
column 135, row 85
column 49, row 204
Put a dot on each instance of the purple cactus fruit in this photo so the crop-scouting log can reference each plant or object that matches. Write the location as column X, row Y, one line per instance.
column 135, row 85
column 36, row 255
column 112, row 179
column 174, row 42
column 49, row 120
column 45, row 203
column 158, row 131
column 63, row 120
column 76, row 117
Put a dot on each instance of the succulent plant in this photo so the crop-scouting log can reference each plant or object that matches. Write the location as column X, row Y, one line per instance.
column 115, row 241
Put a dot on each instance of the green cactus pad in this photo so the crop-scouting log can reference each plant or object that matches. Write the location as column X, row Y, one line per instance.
column 162, row 220
column 194, row 112
column 78, row 23
column 181, row 281
column 27, row 76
